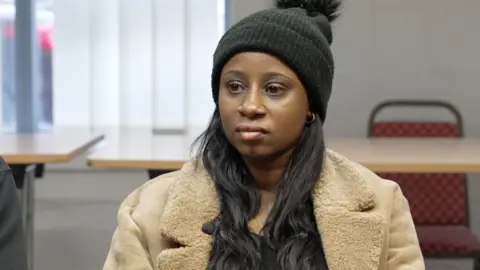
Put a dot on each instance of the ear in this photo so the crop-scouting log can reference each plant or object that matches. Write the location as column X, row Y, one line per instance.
column 310, row 118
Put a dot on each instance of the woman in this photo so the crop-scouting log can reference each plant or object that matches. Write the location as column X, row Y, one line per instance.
column 264, row 193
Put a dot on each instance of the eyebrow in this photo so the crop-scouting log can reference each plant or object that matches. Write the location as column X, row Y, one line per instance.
column 276, row 74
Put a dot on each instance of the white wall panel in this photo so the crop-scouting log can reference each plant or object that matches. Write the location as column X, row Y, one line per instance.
column 202, row 38
column 105, row 40
column 136, row 82
column 169, row 62
column 72, row 64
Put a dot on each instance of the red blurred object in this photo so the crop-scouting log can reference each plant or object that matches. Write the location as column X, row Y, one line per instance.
column 45, row 36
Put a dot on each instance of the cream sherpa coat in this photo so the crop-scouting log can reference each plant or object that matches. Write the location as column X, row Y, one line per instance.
column 364, row 221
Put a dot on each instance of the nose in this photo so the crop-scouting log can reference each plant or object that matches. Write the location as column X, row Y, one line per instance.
column 252, row 105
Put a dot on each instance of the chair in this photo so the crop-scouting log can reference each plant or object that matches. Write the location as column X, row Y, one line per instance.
column 438, row 201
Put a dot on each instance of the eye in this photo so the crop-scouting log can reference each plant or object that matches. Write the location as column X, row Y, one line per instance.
column 274, row 89
column 235, row 87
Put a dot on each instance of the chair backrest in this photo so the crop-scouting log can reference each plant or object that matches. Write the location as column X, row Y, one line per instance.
column 435, row 199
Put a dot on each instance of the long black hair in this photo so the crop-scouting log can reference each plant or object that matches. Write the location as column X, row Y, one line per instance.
column 290, row 227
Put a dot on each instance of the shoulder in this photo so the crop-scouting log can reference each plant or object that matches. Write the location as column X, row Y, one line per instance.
column 137, row 238
column 152, row 195
column 363, row 190
column 378, row 183
column 6, row 177
column 345, row 166
column 147, row 203
column 3, row 166
column 157, row 191
column 139, row 216
column 358, row 181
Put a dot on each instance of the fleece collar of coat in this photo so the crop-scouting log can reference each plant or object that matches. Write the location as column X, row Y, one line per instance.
column 352, row 236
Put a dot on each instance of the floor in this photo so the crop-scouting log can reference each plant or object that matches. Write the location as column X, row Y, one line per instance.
column 75, row 218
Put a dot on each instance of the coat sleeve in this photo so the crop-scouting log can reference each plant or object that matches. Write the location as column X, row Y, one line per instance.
column 404, row 250
column 12, row 241
column 137, row 241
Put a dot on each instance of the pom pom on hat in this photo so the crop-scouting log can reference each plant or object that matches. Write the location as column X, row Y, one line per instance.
column 329, row 8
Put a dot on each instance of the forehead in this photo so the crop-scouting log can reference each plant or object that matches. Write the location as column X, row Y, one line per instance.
column 257, row 63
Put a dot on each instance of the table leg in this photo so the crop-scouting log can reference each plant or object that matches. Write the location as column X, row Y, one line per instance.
column 39, row 170
column 154, row 173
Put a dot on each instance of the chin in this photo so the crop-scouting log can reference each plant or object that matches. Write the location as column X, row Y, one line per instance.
column 254, row 152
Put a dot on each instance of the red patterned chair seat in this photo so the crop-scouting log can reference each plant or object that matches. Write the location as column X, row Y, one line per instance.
column 415, row 129
column 448, row 240
column 434, row 198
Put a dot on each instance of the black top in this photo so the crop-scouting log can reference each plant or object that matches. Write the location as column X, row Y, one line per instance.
column 12, row 243
column 269, row 256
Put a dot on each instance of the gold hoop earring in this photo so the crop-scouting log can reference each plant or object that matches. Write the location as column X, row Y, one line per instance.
column 311, row 120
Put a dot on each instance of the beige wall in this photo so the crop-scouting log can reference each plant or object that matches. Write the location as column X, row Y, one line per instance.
column 241, row 8
column 405, row 49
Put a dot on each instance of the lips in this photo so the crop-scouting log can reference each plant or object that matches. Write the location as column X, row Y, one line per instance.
column 251, row 132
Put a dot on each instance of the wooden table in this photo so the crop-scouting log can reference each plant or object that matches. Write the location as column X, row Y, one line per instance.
column 412, row 155
column 141, row 149
column 56, row 146
column 24, row 151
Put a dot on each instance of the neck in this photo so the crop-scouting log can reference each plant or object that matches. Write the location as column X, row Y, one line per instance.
column 267, row 172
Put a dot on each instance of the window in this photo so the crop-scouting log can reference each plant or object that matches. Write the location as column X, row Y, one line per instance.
column 43, row 61
column 227, row 13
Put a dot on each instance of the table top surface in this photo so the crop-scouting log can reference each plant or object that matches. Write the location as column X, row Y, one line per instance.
column 412, row 155
column 54, row 146
column 142, row 149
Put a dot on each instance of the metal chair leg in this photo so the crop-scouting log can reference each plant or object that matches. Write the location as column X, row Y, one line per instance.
column 476, row 264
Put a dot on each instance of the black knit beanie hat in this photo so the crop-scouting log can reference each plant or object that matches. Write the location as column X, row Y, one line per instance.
column 296, row 31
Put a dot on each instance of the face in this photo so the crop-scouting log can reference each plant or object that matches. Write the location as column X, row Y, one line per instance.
column 263, row 105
